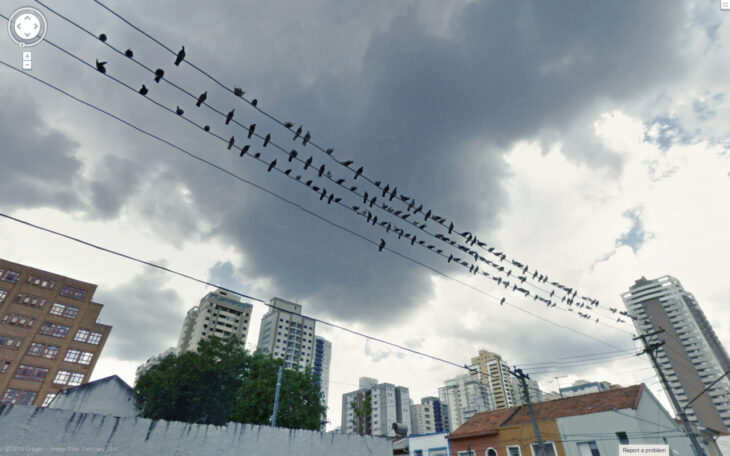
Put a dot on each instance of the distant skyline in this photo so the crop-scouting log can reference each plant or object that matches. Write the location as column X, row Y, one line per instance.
column 590, row 141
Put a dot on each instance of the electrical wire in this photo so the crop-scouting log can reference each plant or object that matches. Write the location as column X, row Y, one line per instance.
column 295, row 204
column 320, row 148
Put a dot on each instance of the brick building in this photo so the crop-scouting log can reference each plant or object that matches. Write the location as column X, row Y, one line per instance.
column 49, row 335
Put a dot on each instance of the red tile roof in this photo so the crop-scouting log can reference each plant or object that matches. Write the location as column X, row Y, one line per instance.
column 488, row 422
column 482, row 423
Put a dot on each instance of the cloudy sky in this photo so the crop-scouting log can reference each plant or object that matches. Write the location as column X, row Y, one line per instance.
column 588, row 140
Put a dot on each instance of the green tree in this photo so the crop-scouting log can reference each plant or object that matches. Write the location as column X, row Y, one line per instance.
column 362, row 412
column 221, row 382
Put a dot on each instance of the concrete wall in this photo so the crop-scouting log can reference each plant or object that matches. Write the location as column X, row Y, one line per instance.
column 35, row 430
column 429, row 444
column 109, row 396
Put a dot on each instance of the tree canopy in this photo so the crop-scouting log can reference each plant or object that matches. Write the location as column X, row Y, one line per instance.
column 221, row 382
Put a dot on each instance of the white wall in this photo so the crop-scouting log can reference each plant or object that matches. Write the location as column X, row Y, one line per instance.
column 38, row 430
column 428, row 442
column 646, row 425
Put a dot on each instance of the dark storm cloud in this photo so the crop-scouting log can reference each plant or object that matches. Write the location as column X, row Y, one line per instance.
column 38, row 166
column 145, row 316
column 432, row 114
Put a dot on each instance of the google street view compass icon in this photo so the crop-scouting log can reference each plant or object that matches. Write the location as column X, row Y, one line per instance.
column 27, row 26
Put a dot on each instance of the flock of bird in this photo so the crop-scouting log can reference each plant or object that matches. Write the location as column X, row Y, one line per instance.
column 399, row 215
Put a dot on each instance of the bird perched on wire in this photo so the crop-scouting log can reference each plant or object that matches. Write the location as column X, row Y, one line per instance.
column 102, row 37
column 244, row 149
column 129, row 53
column 267, row 139
column 358, row 172
column 321, row 170
column 100, row 67
column 381, row 246
column 329, row 151
column 292, row 154
column 159, row 73
column 251, row 130
column 206, row 128
column 306, row 139
column 231, row 142
column 237, row 91
column 307, row 163
column 180, row 56
column 201, row 99
column 143, row 90
column 179, row 111
column 254, row 102
column 271, row 165
column 229, row 116
column 297, row 133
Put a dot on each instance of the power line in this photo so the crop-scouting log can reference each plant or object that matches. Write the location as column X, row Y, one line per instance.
column 180, row 149
column 331, row 179
column 321, row 149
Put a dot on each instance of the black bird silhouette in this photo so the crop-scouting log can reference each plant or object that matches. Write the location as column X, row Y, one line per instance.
column 102, row 37
column 331, row 198
column 329, row 151
column 377, row 184
column 206, row 128
column 100, row 67
column 251, row 129
column 292, row 154
column 254, row 102
column 287, row 172
column 179, row 111
column 372, row 201
column 180, row 56
column 358, row 172
column 307, row 163
column 267, row 139
column 231, row 142
column 159, row 73
column 418, row 209
column 257, row 154
column 324, row 193
column 298, row 132
column 353, row 188
column 340, row 181
column 143, row 90
column 365, row 198
column 288, row 124
column 229, row 116
column 451, row 227
column 306, row 139
column 428, row 214
column 347, row 163
column 244, row 149
column 308, row 183
column 321, row 170
column 385, row 190
column 381, row 246
column 201, row 99
column 237, row 91
column 129, row 53
column 392, row 194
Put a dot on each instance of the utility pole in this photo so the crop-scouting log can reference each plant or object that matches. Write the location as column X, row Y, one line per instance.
column 276, row 396
column 522, row 377
column 558, row 382
column 649, row 349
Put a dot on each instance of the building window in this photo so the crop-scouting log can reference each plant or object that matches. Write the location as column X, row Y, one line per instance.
column 588, row 449
column 9, row 276
column 548, row 446
column 35, row 349
column 467, row 453
column 491, row 452
column 51, row 329
column 17, row 396
column 418, row 453
column 62, row 377
column 57, row 309
column 4, row 367
column 623, row 438
column 50, row 352
column 513, row 451
column 47, row 400
column 3, row 295
column 11, row 343
column 81, row 335
column 72, row 356
column 76, row 379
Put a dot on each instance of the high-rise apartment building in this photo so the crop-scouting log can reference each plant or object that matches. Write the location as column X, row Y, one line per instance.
column 321, row 365
column 219, row 314
column 494, row 371
column 692, row 356
column 49, row 335
column 286, row 334
column 388, row 404
column 464, row 396
column 430, row 416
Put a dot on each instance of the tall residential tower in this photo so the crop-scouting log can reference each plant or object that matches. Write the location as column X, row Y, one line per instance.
column 692, row 356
